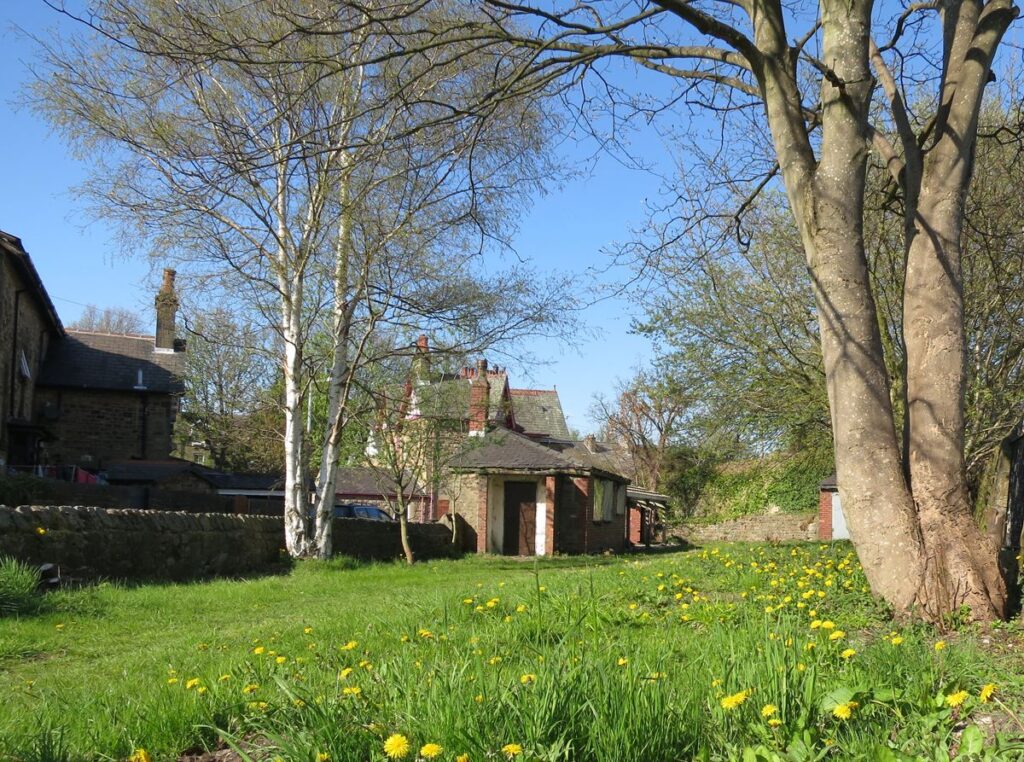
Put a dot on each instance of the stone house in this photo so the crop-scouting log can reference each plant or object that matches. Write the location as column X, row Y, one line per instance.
column 521, row 497
column 28, row 326
column 79, row 398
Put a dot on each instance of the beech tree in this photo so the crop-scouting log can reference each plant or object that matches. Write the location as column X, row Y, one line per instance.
column 831, row 90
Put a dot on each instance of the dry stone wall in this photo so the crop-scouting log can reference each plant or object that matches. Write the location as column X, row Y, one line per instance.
column 768, row 527
column 165, row 545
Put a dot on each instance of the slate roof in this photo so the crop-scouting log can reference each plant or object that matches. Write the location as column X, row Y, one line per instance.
column 539, row 412
column 364, row 481
column 12, row 246
column 604, row 455
column 246, row 482
column 449, row 398
column 504, row 450
column 86, row 360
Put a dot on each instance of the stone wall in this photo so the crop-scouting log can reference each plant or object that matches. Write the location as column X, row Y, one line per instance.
column 163, row 545
column 766, row 527
column 55, row 492
column 133, row 544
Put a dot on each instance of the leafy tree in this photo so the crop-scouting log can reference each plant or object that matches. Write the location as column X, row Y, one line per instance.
column 829, row 87
column 321, row 163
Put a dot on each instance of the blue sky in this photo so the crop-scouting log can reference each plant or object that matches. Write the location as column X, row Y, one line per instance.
column 80, row 262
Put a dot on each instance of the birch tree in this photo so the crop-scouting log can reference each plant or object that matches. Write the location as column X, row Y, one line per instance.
column 309, row 160
column 818, row 78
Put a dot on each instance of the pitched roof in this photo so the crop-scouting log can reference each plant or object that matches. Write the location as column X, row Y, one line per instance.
column 86, row 360
column 604, row 455
column 501, row 449
column 539, row 412
column 12, row 246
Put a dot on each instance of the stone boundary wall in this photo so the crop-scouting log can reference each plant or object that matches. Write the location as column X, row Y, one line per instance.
column 133, row 544
column 769, row 527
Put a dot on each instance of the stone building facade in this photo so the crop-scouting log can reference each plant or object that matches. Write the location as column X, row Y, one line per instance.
column 28, row 326
column 79, row 398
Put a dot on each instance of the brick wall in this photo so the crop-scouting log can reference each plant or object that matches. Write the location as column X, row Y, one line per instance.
column 768, row 527
column 825, row 514
column 94, row 427
column 134, row 544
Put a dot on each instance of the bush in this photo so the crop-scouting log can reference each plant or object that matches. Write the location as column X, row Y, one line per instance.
column 20, row 489
column 19, row 583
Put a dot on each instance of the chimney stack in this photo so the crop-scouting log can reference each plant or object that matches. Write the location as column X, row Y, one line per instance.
column 590, row 442
column 166, row 313
column 479, row 394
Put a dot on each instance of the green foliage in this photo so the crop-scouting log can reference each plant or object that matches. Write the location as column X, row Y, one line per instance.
column 731, row 490
column 571, row 658
column 20, row 489
column 18, row 587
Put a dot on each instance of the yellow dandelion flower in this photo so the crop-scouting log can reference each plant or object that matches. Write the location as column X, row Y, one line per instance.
column 733, row 701
column 251, row 688
column 224, row 678
column 836, row 635
column 172, row 680
column 844, row 711
column 462, row 758
column 348, row 646
column 351, row 690
column 396, row 746
column 42, row 532
column 623, row 661
column 307, row 630
column 715, row 683
column 986, row 691
column 201, row 690
column 939, row 645
column 527, row 679
column 768, row 710
column 479, row 698
column 774, row 722
column 511, row 750
column 281, row 659
column 430, row 750
column 467, row 601
column 259, row 650
column 520, row 608
column 956, row 699
column 425, row 634
column 896, row 639
column 140, row 755
column 323, row 757
column 192, row 683
column 849, row 653
column 828, row 625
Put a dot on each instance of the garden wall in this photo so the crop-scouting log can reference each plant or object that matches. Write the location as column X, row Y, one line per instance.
column 165, row 545
column 767, row 527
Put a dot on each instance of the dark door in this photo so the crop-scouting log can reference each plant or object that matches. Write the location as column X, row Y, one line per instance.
column 520, row 519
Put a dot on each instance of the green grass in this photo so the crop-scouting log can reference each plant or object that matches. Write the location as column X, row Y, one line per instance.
column 570, row 659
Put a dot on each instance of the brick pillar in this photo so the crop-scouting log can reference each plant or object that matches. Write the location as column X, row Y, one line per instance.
column 549, row 515
column 481, row 521
column 825, row 514
column 166, row 312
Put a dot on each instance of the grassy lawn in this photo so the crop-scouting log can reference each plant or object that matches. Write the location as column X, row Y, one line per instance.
column 775, row 652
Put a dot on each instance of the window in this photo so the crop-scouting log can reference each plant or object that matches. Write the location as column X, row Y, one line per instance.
column 598, row 500
column 620, row 499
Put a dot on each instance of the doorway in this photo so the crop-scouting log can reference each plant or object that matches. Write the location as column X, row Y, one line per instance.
column 520, row 535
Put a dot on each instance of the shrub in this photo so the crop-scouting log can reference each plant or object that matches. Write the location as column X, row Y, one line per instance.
column 20, row 489
column 19, row 583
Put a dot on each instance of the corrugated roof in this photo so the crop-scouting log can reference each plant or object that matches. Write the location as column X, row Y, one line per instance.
column 86, row 360
column 366, row 482
column 539, row 412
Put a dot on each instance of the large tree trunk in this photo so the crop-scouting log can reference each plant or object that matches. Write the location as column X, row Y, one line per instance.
column 961, row 564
